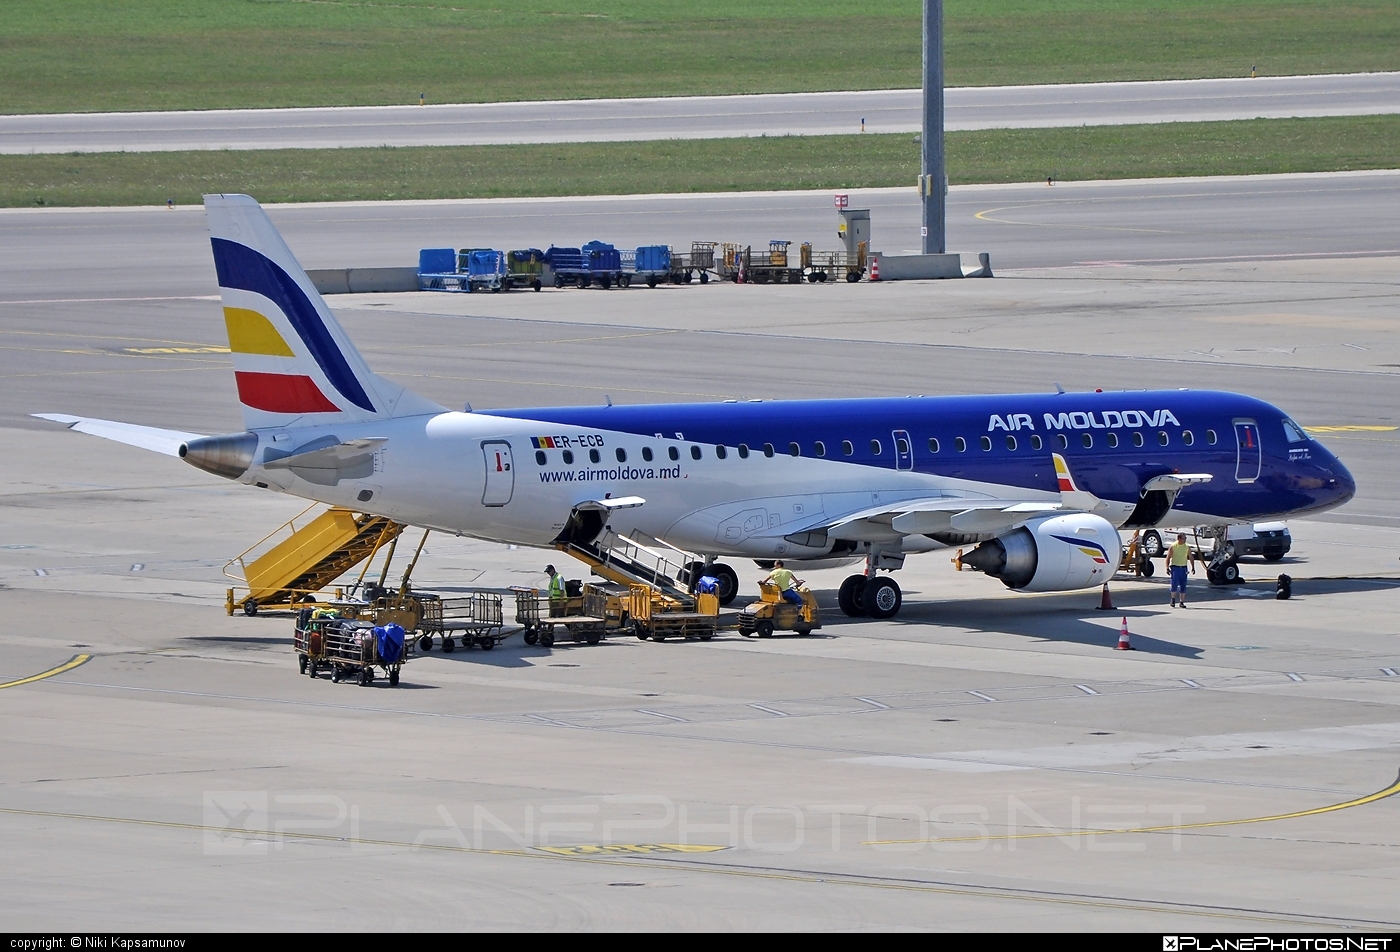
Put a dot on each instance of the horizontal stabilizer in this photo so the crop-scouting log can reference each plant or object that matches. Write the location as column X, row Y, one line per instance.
column 146, row 437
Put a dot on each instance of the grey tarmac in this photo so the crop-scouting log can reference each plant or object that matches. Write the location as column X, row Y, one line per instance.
column 955, row 769
column 704, row 117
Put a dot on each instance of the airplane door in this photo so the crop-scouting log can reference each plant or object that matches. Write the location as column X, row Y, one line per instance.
column 903, row 450
column 500, row 474
column 1249, row 456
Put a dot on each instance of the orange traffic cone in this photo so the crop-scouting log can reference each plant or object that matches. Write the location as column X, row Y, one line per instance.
column 1106, row 603
column 1123, row 644
column 875, row 269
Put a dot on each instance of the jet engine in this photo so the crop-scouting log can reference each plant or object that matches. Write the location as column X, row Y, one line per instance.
column 1056, row 554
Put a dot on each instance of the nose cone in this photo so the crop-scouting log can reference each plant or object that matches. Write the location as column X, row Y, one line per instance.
column 1340, row 483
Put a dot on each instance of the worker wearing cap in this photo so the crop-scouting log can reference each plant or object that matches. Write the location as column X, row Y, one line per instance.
column 786, row 583
column 1178, row 557
column 557, row 591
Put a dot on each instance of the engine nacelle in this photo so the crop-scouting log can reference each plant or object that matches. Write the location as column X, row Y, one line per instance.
column 1056, row 554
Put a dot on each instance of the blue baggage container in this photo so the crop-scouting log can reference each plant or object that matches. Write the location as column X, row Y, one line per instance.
column 653, row 258
column 437, row 261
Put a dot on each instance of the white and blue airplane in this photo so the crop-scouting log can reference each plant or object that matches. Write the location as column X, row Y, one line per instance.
column 1040, row 484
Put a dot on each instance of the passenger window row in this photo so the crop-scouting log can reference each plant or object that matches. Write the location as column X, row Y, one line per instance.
column 1035, row 443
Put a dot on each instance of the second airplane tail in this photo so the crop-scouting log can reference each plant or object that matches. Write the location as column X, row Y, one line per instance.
column 292, row 361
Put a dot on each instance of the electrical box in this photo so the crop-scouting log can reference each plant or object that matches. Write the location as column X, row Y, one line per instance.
column 853, row 228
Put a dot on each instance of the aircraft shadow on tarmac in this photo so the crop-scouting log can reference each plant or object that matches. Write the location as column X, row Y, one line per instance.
column 1064, row 618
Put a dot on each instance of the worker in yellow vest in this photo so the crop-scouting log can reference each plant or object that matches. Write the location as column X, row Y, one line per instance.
column 558, row 592
column 1178, row 557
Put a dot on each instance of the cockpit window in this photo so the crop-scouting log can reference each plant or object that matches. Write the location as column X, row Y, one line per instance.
column 1293, row 431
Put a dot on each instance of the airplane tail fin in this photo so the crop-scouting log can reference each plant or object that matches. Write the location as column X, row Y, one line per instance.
column 292, row 361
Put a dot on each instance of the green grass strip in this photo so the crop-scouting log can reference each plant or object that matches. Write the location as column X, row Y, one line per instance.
column 97, row 55
column 706, row 165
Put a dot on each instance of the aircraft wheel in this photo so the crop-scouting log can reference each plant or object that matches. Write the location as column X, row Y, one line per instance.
column 1229, row 573
column 1148, row 568
column 1152, row 544
column 849, row 596
column 764, row 628
column 882, row 597
column 728, row 582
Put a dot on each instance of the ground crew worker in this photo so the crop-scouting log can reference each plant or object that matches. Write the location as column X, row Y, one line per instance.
column 558, row 592
column 1178, row 557
column 786, row 583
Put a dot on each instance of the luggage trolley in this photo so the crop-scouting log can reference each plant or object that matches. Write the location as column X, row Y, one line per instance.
column 349, row 647
column 586, row 617
column 476, row 618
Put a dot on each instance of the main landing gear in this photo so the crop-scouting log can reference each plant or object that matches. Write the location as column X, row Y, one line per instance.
column 877, row 597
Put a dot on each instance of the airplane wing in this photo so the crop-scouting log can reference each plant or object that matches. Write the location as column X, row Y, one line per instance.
column 938, row 514
column 146, row 437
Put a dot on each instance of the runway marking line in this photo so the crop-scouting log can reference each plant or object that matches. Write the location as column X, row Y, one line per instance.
column 1389, row 791
column 69, row 665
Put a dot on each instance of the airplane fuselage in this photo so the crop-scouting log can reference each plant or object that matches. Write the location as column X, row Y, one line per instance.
column 751, row 479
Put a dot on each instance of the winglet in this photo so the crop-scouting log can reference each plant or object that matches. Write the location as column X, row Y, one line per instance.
column 1071, row 495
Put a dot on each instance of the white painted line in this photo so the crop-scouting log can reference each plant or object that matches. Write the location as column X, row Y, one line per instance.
column 1087, row 690
column 138, row 566
column 1389, row 672
column 768, row 710
column 1189, row 683
column 878, row 705
column 984, row 697
column 1294, row 677
column 669, row 717
column 41, row 572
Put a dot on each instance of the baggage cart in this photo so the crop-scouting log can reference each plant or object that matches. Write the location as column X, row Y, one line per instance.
column 486, row 270
column 475, row 619
column 700, row 260
column 585, row 617
column 652, row 264
column 439, row 270
column 818, row 266
column 659, row 617
column 348, row 647
column 525, row 269
column 772, row 268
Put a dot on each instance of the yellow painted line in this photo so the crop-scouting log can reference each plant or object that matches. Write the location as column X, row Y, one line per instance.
column 721, row 870
column 1389, row 791
column 1350, row 429
column 69, row 665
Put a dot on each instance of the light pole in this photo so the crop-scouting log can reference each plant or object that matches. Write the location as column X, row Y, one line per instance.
column 931, row 181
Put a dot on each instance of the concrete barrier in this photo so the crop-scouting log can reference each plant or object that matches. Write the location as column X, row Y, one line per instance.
column 364, row 280
column 927, row 267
